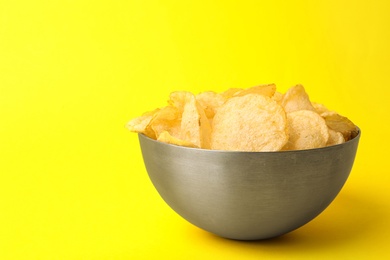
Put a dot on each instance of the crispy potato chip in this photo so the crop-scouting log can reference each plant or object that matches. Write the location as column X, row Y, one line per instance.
column 140, row 124
column 230, row 92
column 340, row 124
column 205, row 128
column 165, row 119
column 320, row 108
column 329, row 113
column 210, row 102
column 265, row 90
column 195, row 126
column 178, row 99
column 249, row 123
column 166, row 137
column 335, row 138
column 307, row 130
column 277, row 97
column 296, row 99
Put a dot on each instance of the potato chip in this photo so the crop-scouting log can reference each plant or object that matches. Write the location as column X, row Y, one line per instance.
column 210, row 101
column 205, row 128
column 249, row 123
column 195, row 127
column 277, row 97
column 166, row 137
column 165, row 119
column 178, row 99
column 307, row 130
column 140, row 124
column 320, row 108
column 340, row 124
column 296, row 99
column 265, row 90
column 335, row 138
column 230, row 92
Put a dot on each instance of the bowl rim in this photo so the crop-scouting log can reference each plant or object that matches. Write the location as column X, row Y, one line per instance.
column 354, row 139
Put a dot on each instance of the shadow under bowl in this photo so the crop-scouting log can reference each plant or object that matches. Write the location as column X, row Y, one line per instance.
column 248, row 195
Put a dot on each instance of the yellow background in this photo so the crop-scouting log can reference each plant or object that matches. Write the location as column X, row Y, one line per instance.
column 72, row 73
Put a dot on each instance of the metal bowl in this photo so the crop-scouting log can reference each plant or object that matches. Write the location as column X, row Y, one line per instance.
column 248, row 195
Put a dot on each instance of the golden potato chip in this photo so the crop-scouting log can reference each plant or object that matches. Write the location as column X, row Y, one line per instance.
column 249, row 123
column 210, row 101
column 320, row 108
column 307, row 130
column 166, row 137
column 204, row 127
column 340, row 124
column 195, row 126
column 178, row 99
column 335, row 138
column 165, row 119
column 265, row 90
column 230, row 92
column 140, row 124
column 296, row 99
column 277, row 97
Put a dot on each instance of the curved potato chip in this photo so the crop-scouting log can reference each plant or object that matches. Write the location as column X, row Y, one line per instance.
column 335, row 138
column 265, row 90
column 249, row 123
column 140, row 124
column 195, row 126
column 307, row 130
column 340, row 124
column 230, row 92
column 329, row 113
column 167, row 138
column 178, row 99
column 165, row 119
column 320, row 108
column 210, row 101
column 204, row 128
column 296, row 99
column 277, row 97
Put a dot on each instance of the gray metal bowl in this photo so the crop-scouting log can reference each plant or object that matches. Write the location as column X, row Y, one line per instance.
column 248, row 195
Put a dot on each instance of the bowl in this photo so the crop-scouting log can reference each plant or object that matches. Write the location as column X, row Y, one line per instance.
column 248, row 195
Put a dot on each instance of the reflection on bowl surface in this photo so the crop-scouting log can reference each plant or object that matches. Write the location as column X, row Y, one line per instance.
column 248, row 195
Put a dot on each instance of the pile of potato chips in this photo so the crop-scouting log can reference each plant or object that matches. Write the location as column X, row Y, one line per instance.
column 254, row 119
